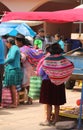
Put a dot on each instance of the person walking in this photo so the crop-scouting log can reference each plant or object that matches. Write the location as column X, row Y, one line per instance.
column 2, row 55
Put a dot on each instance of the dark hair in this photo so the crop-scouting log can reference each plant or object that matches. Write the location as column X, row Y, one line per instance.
column 20, row 38
column 47, row 47
column 27, row 42
column 41, row 30
column 10, row 40
column 58, row 35
column 55, row 48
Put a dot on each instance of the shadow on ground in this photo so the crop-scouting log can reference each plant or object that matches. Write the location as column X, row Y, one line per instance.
column 23, row 106
column 3, row 112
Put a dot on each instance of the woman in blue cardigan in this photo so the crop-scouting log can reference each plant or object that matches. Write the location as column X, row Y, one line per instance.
column 13, row 73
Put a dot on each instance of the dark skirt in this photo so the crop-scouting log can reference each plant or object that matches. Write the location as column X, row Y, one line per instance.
column 52, row 94
column 13, row 77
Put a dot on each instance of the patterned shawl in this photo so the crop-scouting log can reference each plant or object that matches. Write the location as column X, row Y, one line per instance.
column 33, row 55
column 58, row 68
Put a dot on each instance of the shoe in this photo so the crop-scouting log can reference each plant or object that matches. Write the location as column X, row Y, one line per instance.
column 46, row 123
column 53, row 123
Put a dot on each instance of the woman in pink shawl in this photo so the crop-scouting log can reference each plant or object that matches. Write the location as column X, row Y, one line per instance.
column 28, row 60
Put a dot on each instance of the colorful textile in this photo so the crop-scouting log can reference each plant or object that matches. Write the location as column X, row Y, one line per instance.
column 40, row 63
column 58, row 68
column 35, row 85
column 28, row 70
column 6, row 97
column 33, row 55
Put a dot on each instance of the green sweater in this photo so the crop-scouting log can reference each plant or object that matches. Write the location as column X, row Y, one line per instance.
column 13, row 58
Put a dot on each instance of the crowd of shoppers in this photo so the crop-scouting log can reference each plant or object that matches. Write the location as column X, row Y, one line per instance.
column 24, row 60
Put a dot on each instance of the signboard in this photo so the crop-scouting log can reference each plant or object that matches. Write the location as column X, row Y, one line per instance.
column 77, row 36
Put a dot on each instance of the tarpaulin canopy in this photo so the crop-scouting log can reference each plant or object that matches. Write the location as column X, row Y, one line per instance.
column 70, row 15
column 40, row 16
column 14, row 28
column 30, row 23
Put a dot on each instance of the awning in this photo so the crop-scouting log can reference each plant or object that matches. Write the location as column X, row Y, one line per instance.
column 62, row 16
column 30, row 23
column 14, row 28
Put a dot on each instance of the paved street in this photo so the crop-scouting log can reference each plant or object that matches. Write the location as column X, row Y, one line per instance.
column 28, row 117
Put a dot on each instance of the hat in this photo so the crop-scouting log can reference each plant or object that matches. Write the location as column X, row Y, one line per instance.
column 20, row 36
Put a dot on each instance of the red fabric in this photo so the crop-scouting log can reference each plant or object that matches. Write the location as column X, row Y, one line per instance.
column 70, row 15
column 63, row 16
column 25, row 16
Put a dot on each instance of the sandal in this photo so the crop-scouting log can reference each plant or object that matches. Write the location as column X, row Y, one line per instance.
column 12, row 106
column 53, row 123
column 46, row 123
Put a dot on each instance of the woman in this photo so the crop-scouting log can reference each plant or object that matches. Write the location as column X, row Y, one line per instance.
column 45, row 90
column 52, row 94
column 28, row 69
column 59, row 40
column 29, row 58
column 13, row 73
column 59, row 70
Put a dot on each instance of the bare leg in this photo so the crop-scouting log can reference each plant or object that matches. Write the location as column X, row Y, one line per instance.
column 56, row 115
column 29, row 98
column 47, row 111
column 14, row 96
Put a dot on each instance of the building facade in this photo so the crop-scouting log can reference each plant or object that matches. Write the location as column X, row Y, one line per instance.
column 43, row 5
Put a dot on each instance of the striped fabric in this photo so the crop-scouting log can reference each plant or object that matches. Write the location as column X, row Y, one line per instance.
column 58, row 68
column 33, row 55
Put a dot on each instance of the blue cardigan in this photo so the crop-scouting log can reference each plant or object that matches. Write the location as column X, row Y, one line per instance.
column 1, row 52
column 13, row 57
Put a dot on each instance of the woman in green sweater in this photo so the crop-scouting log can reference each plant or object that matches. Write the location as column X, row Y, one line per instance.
column 13, row 73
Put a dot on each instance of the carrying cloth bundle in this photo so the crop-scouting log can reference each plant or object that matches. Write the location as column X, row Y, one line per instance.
column 58, row 68
column 33, row 55
column 35, row 85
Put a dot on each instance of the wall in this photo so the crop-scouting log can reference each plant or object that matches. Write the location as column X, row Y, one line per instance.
column 63, row 29
column 22, row 5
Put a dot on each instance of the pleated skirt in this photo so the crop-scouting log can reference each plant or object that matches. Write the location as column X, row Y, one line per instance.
column 52, row 94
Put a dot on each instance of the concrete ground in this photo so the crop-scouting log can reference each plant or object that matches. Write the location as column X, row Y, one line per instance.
column 28, row 117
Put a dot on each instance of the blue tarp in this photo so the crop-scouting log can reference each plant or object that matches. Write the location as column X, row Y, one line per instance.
column 13, row 28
